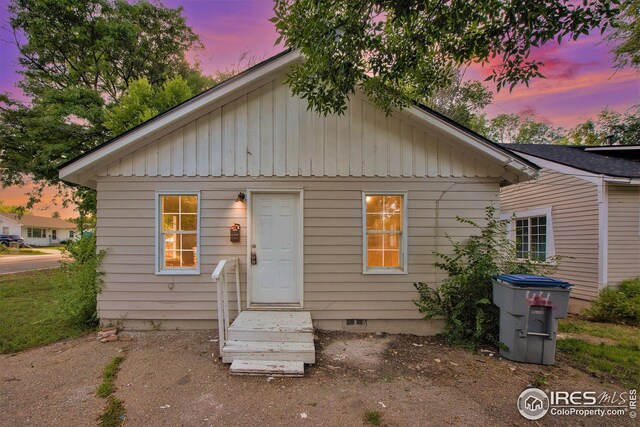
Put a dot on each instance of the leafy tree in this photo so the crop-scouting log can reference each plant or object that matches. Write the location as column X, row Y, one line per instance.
column 400, row 52
column 624, row 129
column 520, row 129
column 142, row 101
column 461, row 100
column 78, row 57
column 627, row 34
column 13, row 209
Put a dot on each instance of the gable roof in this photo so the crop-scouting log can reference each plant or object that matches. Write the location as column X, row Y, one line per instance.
column 38, row 221
column 84, row 168
column 590, row 159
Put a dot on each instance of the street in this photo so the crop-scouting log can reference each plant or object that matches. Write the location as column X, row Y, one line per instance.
column 18, row 263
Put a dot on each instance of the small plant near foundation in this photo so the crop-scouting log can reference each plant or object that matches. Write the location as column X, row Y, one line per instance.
column 108, row 376
column 156, row 325
column 373, row 418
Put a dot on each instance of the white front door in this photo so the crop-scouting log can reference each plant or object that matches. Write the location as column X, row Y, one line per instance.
column 276, row 272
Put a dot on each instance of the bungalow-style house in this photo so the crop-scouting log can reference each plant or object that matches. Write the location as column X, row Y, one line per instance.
column 37, row 230
column 584, row 207
column 332, row 218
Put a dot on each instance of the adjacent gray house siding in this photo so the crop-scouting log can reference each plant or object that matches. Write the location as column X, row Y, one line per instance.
column 624, row 232
column 593, row 196
column 574, row 207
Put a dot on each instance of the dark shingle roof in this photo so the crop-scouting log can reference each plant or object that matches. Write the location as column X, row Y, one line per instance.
column 578, row 157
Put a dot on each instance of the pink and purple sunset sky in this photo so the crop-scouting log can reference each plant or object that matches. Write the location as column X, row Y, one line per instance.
column 580, row 77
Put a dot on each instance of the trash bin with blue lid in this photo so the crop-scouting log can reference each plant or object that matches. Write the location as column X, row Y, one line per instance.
column 530, row 307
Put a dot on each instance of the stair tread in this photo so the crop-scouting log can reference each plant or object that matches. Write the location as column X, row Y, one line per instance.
column 273, row 321
column 268, row 367
column 268, row 346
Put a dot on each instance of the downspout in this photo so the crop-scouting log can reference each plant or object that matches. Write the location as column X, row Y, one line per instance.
column 603, row 233
column 437, row 225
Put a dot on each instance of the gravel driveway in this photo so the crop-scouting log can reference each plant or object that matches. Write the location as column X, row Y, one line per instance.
column 175, row 379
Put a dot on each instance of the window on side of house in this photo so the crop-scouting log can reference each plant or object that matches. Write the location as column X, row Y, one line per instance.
column 531, row 238
column 178, row 233
column 54, row 234
column 71, row 234
column 384, row 233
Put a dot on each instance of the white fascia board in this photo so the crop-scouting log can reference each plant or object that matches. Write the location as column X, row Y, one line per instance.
column 75, row 169
column 630, row 181
column 510, row 161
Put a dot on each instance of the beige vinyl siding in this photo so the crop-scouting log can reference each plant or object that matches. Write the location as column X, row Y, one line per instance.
column 334, row 286
column 624, row 232
column 574, row 210
column 269, row 132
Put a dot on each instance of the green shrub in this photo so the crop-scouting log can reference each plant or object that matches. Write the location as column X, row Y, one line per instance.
column 617, row 305
column 465, row 297
column 82, row 281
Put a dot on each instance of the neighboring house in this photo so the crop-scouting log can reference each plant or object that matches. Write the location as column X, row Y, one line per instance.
column 584, row 206
column 37, row 230
column 340, row 215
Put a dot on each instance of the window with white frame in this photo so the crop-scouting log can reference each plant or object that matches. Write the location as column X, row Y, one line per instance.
column 54, row 234
column 531, row 238
column 36, row 233
column 384, row 233
column 178, row 233
column 71, row 234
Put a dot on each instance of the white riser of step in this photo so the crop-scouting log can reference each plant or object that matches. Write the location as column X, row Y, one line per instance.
column 261, row 350
column 237, row 335
column 268, row 367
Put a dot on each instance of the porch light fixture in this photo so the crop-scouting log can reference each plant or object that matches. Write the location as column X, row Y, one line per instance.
column 241, row 197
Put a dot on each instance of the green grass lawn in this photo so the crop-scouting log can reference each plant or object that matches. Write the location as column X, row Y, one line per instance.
column 24, row 251
column 31, row 312
column 618, row 357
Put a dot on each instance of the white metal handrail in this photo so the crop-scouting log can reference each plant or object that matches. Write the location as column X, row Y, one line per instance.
column 219, row 277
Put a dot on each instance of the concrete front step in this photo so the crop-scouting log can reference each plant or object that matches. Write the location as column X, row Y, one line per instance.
column 267, row 350
column 272, row 326
column 268, row 367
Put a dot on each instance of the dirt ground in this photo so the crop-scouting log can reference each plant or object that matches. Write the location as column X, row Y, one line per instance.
column 173, row 378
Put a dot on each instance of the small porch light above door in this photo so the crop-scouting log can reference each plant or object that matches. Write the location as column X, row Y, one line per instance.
column 241, row 197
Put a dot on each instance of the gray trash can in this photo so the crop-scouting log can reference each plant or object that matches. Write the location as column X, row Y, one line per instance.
column 530, row 307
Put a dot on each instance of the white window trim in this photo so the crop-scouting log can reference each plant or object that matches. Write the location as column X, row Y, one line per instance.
column 404, row 246
column 509, row 216
column 177, row 271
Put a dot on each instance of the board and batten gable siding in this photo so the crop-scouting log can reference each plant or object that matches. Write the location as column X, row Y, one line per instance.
column 574, row 210
column 623, row 233
column 334, row 286
column 269, row 132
